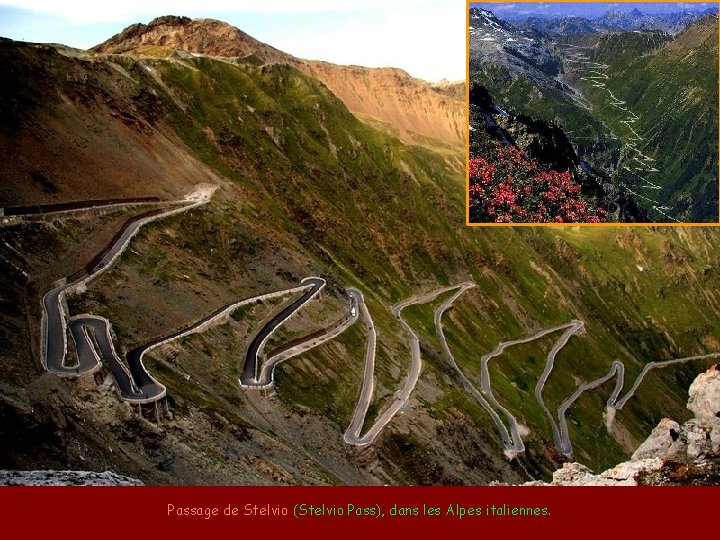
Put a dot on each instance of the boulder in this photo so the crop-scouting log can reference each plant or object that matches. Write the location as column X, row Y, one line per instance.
column 704, row 394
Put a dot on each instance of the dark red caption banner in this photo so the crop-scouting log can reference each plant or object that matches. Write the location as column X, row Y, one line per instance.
column 135, row 512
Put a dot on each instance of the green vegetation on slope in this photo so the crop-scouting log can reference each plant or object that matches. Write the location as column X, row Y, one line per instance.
column 308, row 189
column 673, row 90
column 550, row 104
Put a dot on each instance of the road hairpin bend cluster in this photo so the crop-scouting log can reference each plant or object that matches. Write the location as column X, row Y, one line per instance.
column 93, row 343
column 636, row 163
column 509, row 436
column 91, row 334
column 92, row 337
column 352, row 434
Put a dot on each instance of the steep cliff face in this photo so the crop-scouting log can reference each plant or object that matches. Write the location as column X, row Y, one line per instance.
column 391, row 95
column 523, row 70
column 673, row 454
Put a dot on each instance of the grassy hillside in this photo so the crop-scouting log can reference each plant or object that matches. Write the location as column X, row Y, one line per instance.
column 673, row 89
column 646, row 91
column 307, row 189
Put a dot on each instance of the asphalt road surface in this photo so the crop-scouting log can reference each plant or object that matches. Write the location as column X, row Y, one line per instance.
column 92, row 340
column 267, row 370
column 511, row 448
column 352, row 433
column 91, row 335
column 137, row 385
column 561, row 444
column 249, row 376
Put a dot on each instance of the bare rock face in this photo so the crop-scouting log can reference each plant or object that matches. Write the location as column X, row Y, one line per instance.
column 392, row 96
column 65, row 478
column 625, row 474
column 572, row 473
column 628, row 473
column 704, row 393
column 698, row 437
column 663, row 441
column 673, row 454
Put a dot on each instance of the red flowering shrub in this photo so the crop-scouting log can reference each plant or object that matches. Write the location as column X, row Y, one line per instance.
column 514, row 189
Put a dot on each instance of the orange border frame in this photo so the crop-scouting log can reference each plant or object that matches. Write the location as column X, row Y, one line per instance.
column 566, row 225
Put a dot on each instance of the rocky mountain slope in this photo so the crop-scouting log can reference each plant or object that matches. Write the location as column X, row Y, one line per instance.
column 525, row 72
column 499, row 42
column 639, row 105
column 564, row 26
column 636, row 19
column 414, row 109
column 305, row 188
column 417, row 112
column 201, row 36
column 65, row 478
column 78, row 130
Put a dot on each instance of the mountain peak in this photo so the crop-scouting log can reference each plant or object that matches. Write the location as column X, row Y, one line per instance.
column 481, row 18
column 477, row 12
column 169, row 20
column 208, row 37
column 356, row 86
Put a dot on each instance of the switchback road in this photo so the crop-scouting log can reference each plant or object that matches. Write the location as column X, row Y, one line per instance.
column 91, row 334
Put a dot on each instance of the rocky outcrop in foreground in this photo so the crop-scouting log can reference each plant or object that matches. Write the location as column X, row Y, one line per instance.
column 673, row 454
column 65, row 478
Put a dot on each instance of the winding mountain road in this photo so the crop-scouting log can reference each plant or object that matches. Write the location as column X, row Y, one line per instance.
column 636, row 163
column 93, row 345
column 88, row 330
column 352, row 433
column 517, row 443
column 572, row 328
column 513, row 447
column 414, row 342
column 614, row 402
column 92, row 335
column 92, row 339
column 249, row 377
column 509, row 435
column 511, row 440
column 266, row 378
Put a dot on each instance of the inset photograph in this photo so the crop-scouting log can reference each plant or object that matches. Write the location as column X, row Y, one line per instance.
column 593, row 112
